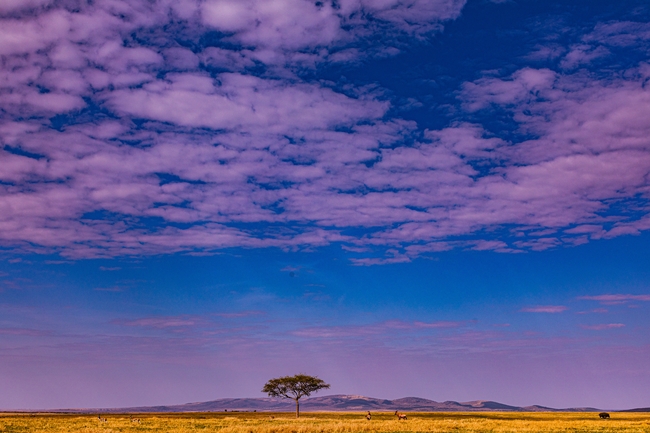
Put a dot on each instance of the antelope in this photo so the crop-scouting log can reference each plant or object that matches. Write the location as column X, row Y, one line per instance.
column 134, row 419
column 400, row 416
column 101, row 419
column 603, row 415
column 368, row 417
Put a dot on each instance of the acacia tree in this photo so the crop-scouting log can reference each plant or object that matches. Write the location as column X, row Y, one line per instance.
column 294, row 387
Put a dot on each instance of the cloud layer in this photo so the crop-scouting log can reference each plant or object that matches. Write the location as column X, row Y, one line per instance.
column 140, row 127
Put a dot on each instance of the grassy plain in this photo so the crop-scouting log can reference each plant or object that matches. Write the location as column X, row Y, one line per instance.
column 330, row 422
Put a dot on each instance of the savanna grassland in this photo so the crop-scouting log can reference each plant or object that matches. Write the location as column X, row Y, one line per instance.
column 327, row 422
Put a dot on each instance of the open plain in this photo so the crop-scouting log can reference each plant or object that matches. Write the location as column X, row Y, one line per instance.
column 335, row 422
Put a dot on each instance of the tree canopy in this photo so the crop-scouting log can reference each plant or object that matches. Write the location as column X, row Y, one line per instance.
column 294, row 387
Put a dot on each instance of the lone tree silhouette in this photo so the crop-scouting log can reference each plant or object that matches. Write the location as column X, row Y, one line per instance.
column 294, row 387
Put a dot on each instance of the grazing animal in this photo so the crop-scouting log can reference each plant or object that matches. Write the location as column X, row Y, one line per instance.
column 368, row 416
column 400, row 416
column 101, row 419
column 603, row 415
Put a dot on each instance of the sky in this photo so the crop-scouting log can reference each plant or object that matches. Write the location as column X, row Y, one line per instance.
column 447, row 199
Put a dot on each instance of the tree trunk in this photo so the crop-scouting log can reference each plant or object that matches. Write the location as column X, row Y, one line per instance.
column 297, row 409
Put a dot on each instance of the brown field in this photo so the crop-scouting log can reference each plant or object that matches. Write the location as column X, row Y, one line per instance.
column 310, row 422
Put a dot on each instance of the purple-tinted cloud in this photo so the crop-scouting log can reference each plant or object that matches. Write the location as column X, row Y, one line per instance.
column 240, row 314
column 296, row 24
column 603, row 326
column 595, row 310
column 197, row 162
column 582, row 54
column 161, row 322
column 24, row 332
column 545, row 309
column 619, row 34
column 613, row 299
column 383, row 328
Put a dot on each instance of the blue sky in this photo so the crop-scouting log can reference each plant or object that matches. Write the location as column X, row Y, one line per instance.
column 438, row 198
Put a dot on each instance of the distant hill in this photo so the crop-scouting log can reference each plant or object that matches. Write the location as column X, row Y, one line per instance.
column 348, row 403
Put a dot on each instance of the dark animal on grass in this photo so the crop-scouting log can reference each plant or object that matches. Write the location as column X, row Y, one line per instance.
column 603, row 415
column 400, row 416
column 368, row 416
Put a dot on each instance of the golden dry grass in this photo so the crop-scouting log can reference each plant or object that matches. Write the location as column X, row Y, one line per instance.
column 330, row 422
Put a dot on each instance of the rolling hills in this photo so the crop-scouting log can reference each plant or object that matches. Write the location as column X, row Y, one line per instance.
column 337, row 403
